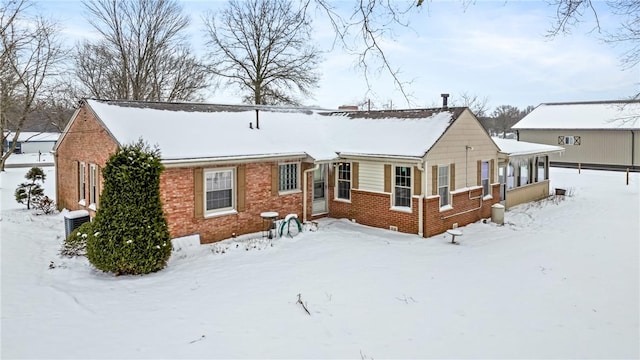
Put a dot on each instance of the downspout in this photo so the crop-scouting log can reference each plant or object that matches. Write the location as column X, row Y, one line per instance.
column 304, row 191
column 421, row 166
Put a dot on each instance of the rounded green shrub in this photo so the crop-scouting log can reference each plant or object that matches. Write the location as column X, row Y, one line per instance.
column 131, row 235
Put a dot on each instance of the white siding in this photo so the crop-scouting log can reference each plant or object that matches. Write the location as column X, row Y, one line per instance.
column 451, row 148
column 371, row 176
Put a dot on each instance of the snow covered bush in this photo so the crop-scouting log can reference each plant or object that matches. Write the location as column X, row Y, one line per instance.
column 45, row 205
column 131, row 235
column 76, row 243
column 29, row 193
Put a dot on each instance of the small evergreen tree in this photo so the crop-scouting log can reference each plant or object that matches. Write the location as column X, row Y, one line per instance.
column 131, row 235
column 29, row 193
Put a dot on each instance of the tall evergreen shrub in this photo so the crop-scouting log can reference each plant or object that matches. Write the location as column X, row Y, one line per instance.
column 130, row 230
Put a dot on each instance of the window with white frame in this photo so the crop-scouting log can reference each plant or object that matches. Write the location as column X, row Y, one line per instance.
column 219, row 190
column 542, row 168
column 82, row 182
column 511, row 176
column 443, row 184
column 569, row 140
column 524, row 174
column 93, row 184
column 484, row 176
column 344, row 181
column 402, row 189
column 288, row 177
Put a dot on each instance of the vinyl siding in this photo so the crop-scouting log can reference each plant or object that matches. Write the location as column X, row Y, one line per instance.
column 450, row 149
column 371, row 176
column 596, row 146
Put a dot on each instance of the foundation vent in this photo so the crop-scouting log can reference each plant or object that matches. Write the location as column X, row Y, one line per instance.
column 393, row 228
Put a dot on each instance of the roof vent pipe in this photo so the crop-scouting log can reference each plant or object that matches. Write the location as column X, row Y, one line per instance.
column 257, row 119
column 444, row 100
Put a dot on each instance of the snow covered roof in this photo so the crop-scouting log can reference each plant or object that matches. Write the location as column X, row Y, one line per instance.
column 611, row 115
column 522, row 148
column 187, row 131
column 31, row 136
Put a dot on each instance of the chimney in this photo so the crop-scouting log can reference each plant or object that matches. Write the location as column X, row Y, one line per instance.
column 444, row 100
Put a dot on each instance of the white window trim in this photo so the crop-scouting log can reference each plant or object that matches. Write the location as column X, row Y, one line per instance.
column 292, row 191
column 337, row 179
column 222, row 211
column 488, row 178
column 93, row 183
column 393, row 191
column 448, row 185
column 82, row 184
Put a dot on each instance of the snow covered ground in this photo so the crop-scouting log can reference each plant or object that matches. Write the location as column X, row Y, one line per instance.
column 559, row 280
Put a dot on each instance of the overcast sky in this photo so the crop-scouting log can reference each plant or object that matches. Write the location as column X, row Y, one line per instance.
column 493, row 49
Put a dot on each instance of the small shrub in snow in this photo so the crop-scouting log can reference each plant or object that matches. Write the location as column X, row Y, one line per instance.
column 76, row 243
column 30, row 193
column 45, row 205
column 131, row 233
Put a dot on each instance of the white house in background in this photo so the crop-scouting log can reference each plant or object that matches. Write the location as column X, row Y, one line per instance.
column 598, row 134
column 31, row 142
column 523, row 170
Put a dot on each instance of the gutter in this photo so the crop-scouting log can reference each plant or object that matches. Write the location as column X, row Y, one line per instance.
column 173, row 163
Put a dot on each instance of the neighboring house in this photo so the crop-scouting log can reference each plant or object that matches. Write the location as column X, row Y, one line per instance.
column 31, row 142
column 416, row 171
column 523, row 170
column 599, row 134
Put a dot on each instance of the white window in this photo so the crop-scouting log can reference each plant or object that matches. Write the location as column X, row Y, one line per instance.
column 289, row 175
column 219, row 190
column 569, row 140
column 524, row 174
column 542, row 168
column 511, row 176
column 344, row 181
column 402, row 189
column 484, row 176
column 93, row 184
column 82, row 183
column 443, row 184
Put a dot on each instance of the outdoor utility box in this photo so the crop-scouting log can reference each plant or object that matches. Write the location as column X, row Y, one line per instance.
column 497, row 214
column 73, row 219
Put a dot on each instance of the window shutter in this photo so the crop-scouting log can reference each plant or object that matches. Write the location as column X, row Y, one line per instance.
column 387, row 178
column 434, row 180
column 241, row 177
column 452, row 180
column 492, row 168
column 576, row 140
column 98, row 183
column 198, row 193
column 274, row 180
column 479, row 173
column 355, row 175
column 560, row 140
column 417, row 181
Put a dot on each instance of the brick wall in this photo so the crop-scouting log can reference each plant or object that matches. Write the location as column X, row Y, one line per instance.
column 373, row 209
column 468, row 207
column 178, row 198
column 86, row 141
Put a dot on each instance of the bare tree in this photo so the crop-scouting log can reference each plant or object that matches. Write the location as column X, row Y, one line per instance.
column 263, row 46
column 31, row 53
column 477, row 104
column 504, row 117
column 143, row 53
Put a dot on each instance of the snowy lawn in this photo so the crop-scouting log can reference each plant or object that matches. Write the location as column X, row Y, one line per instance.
column 559, row 280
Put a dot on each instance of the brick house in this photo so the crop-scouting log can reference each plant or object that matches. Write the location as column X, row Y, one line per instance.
column 416, row 171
